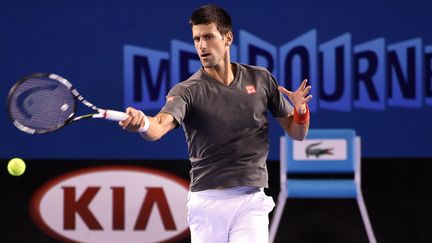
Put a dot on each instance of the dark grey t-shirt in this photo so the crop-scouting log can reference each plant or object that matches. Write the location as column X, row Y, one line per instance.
column 226, row 127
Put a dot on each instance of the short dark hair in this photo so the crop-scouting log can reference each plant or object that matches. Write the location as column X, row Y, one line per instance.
column 208, row 14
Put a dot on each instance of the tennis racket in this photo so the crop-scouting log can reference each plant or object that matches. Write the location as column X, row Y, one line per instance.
column 45, row 102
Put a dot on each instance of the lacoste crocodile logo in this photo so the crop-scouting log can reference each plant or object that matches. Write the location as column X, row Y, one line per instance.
column 311, row 150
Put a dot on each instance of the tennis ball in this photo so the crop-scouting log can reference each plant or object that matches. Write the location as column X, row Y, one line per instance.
column 16, row 166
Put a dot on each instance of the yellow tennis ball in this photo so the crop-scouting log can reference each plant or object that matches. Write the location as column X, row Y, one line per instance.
column 16, row 166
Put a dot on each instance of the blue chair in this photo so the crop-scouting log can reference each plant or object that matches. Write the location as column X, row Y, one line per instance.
column 324, row 151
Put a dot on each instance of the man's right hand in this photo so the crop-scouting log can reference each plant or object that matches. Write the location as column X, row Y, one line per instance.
column 135, row 120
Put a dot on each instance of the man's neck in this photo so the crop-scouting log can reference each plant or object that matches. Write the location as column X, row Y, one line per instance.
column 222, row 73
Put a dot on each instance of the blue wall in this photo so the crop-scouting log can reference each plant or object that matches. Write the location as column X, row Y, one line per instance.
column 84, row 41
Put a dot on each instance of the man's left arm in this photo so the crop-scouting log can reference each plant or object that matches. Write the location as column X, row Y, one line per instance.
column 297, row 123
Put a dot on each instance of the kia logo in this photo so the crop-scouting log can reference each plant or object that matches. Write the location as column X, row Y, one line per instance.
column 112, row 204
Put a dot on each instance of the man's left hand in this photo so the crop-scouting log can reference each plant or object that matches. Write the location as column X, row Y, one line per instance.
column 298, row 98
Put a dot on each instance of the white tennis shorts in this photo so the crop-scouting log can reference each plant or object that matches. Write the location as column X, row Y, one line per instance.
column 229, row 215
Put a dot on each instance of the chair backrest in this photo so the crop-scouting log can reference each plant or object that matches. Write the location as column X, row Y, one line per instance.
column 323, row 151
column 308, row 167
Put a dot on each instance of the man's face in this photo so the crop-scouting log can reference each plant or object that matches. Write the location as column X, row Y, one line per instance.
column 211, row 46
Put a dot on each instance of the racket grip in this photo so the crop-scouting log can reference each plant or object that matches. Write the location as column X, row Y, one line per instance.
column 121, row 116
column 115, row 115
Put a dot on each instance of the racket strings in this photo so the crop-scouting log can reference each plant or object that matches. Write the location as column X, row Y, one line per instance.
column 41, row 104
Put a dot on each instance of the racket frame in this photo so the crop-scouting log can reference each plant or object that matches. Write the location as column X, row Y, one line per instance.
column 72, row 118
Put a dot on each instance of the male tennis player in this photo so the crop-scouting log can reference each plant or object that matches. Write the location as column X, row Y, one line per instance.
column 222, row 109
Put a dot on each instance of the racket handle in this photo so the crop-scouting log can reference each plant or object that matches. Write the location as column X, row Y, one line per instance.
column 121, row 116
column 115, row 115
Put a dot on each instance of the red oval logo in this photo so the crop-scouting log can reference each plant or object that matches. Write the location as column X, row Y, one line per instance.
column 112, row 204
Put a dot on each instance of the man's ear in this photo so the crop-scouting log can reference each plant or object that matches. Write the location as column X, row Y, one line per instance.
column 229, row 38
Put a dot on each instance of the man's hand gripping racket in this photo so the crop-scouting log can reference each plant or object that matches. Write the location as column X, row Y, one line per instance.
column 45, row 102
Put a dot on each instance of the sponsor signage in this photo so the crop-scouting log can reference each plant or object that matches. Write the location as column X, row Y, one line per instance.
column 346, row 76
column 320, row 149
column 323, row 150
column 112, row 204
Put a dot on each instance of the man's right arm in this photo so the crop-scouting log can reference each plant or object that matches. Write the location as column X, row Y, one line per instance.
column 159, row 125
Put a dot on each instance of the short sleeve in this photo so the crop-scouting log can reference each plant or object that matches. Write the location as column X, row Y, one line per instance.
column 278, row 105
column 176, row 103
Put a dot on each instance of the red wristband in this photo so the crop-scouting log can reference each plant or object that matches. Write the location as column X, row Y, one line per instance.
column 301, row 118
